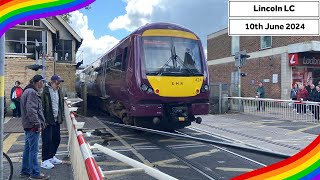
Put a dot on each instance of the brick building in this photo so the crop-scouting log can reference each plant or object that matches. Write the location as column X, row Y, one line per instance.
column 278, row 61
column 21, row 42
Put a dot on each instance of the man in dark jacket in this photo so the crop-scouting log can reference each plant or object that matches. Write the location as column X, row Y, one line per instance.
column 15, row 96
column 33, row 122
column 261, row 94
column 52, row 101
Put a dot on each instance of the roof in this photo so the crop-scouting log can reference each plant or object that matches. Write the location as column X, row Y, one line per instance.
column 48, row 25
column 218, row 33
column 71, row 30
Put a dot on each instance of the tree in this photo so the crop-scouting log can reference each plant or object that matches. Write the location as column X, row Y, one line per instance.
column 67, row 16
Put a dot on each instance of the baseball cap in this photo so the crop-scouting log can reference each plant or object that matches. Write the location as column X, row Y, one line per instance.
column 56, row 78
column 37, row 78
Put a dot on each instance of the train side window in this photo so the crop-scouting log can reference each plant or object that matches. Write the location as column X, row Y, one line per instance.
column 125, row 59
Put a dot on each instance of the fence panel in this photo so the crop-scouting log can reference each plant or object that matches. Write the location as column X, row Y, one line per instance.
column 302, row 111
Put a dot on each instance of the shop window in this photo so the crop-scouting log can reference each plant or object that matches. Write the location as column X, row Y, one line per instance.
column 266, row 42
column 235, row 44
column 64, row 50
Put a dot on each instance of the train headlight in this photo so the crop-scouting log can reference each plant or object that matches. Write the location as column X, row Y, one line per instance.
column 144, row 87
column 205, row 88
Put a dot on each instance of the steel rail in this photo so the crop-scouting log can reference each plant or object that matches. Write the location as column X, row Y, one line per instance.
column 208, row 141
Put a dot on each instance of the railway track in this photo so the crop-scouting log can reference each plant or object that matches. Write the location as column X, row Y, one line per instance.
column 224, row 145
column 207, row 141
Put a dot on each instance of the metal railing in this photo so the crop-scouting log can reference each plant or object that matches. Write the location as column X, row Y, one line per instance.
column 302, row 111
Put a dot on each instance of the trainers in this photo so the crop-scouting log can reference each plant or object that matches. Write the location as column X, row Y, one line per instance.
column 24, row 175
column 55, row 160
column 47, row 164
column 41, row 176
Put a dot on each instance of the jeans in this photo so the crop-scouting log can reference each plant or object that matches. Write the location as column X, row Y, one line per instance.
column 50, row 141
column 30, row 154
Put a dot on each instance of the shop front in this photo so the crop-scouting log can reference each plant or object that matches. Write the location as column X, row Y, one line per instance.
column 305, row 67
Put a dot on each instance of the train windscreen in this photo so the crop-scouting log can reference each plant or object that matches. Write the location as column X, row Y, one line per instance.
column 172, row 55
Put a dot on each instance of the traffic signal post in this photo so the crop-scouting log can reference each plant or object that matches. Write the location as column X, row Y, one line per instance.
column 240, row 60
column 2, row 52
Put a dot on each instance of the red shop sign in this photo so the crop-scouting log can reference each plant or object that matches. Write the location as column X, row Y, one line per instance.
column 304, row 59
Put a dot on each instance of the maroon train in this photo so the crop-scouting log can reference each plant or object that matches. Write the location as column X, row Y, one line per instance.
column 156, row 76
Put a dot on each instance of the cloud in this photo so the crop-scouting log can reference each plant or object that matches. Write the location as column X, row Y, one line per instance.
column 202, row 17
column 92, row 47
column 138, row 13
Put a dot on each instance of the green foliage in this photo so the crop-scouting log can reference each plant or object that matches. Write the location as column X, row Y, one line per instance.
column 67, row 16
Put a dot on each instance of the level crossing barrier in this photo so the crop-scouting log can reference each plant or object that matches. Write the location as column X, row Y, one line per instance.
column 137, row 166
column 83, row 164
column 302, row 111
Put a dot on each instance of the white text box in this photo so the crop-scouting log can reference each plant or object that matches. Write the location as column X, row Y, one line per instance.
column 273, row 27
column 273, row 9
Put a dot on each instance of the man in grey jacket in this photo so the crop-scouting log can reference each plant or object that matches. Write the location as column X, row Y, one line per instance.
column 33, row 122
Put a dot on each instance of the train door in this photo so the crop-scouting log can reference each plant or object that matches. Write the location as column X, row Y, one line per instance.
column 124, row 86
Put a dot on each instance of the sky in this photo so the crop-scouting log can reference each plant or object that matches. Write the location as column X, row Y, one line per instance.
column 108, row 21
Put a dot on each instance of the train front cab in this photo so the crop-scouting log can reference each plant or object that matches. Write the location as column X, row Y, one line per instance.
column 174, row 83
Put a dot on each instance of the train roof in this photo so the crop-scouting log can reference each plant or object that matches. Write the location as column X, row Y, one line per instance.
column 160, row 25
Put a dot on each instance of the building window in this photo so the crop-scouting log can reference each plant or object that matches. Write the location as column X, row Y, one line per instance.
column 31, row 23
column 235, row 44
column 23, row 42
column 266, row 42
column 64, row 50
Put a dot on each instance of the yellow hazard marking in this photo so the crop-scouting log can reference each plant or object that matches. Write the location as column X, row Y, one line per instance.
column 200, row 154
column 10, row 140
column 178, row 140
column 140, row 144
column 107, row 163
column 228, row 169
column 135, row 152
column 168, row 163
column 303, row 129
column 1, row 86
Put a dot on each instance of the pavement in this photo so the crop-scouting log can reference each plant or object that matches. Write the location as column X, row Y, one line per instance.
column 14, row 143
column 268, row 133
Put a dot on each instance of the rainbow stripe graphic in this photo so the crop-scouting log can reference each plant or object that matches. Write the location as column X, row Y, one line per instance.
column 13, row 12
column 303, row 166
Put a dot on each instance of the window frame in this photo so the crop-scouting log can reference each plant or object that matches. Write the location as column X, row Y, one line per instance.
column 26, row 42
column 261, row 43
column 64, row 51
